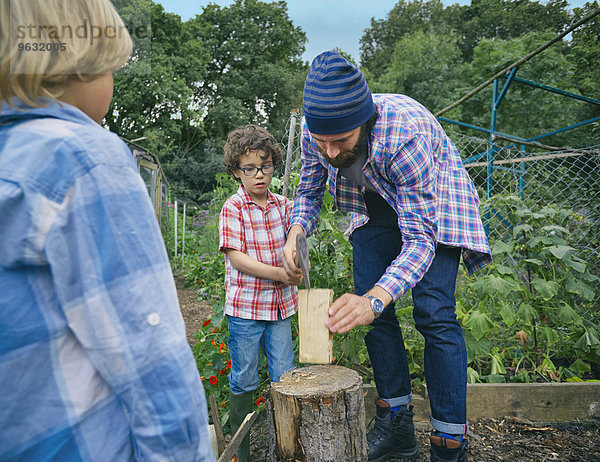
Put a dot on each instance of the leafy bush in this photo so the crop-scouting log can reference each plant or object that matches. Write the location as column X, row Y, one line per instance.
column 524, row 311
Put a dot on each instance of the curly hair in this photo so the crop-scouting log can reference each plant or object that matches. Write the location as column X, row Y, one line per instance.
column 249, row 138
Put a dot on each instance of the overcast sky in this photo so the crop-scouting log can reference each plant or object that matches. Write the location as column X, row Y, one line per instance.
column 326, row 23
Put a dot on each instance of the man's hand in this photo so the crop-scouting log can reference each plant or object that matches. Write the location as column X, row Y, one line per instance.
column 349, row 311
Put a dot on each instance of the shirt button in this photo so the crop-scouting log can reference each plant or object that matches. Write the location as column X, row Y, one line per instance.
column 154, row 319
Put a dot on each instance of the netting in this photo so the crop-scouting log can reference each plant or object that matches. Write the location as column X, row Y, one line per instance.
column 569, row 179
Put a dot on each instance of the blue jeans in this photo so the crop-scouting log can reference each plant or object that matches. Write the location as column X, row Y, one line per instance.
column 375, row 246
column 245, row 336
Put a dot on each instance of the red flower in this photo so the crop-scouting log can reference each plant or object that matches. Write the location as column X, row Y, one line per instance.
column 222, row 372
column 202, row 378
column 221, row 347
column 212, row 380
column 215, row 330
column 228, row 364
column 213, row 342
column 224, row 404
column 207, row 322
column 260, row 401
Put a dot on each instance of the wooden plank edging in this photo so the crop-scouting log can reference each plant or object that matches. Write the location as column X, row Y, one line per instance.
column 538, row 402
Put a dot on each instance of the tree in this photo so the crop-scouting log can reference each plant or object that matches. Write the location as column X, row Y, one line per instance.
column 152, row 96
column 425, row 67
column 189, row 83
column 481, row 19
column 526, row 111
column 584, row 53
column 379, row 41
column 505, row 19
column 255, row 73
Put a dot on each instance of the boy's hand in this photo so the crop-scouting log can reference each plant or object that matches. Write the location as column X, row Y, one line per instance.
column 294, row 280
column 289, row 254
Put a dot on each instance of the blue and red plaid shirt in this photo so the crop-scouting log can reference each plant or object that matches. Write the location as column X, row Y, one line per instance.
column 416, row 168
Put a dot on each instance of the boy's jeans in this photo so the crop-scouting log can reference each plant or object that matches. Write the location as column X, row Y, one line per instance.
column 375, row 246
column 245, row 335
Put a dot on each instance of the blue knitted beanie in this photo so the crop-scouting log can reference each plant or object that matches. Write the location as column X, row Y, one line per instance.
column 336, row 97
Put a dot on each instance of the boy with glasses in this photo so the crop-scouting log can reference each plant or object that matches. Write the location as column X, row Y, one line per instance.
column 260, row 294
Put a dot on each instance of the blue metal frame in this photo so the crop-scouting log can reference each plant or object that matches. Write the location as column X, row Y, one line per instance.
column 497, row 98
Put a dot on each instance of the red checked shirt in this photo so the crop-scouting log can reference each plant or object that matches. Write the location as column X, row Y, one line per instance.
column 261, row 234
column 417, row 169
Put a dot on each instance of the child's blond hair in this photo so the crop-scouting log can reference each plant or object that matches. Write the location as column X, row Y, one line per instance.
column 45, row 42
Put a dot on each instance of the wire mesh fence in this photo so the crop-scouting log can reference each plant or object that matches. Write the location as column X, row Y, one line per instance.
column 569, row 179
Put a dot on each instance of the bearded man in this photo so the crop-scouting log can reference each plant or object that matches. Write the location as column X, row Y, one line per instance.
column 414, row 212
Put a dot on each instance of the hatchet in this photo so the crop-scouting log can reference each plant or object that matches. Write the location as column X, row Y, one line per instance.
column 301, row 259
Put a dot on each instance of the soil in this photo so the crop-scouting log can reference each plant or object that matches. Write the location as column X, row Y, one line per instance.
column 509, row 439
column 490, row 440
column 194, row 310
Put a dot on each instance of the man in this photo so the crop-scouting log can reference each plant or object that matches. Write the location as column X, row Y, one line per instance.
column 386, row 159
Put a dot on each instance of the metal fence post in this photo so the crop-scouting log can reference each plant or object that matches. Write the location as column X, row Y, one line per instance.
column 290, row 152
column 183, row 236
column 175, row 231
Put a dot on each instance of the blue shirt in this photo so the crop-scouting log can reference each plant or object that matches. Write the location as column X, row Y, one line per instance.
column 94, row 362
column 416, row 168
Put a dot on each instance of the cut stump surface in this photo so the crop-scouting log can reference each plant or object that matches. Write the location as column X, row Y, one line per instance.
column 316, row 413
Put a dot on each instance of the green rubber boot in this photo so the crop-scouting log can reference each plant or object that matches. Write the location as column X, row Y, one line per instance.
column 241, row 406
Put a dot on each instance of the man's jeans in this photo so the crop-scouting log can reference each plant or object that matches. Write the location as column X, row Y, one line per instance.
column 245, row 336
column 375, row 246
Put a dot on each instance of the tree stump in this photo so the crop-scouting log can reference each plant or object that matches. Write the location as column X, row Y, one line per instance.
column 317, row 413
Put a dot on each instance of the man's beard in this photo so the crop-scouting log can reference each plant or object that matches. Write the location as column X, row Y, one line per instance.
column 346, row 158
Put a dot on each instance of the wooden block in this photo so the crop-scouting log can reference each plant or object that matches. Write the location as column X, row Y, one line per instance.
column 316, row 342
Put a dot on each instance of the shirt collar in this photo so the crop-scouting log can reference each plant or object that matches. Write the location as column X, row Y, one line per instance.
column 59, row 110
column 271, row 198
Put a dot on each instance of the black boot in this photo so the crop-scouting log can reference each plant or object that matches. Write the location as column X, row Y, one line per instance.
column 392, row 436
column 241, row 406
column 446, row 449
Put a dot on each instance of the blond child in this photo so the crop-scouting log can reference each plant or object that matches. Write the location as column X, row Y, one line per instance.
column 94, row 363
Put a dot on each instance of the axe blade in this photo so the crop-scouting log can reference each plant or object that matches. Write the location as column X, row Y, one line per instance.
column 301, row 259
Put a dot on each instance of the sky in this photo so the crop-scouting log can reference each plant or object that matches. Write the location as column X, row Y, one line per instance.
column 327, row 23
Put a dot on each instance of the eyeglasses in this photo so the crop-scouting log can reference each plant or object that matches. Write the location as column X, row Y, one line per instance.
column 252, row 171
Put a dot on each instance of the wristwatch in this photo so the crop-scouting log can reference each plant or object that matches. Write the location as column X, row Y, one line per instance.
column 376, row 304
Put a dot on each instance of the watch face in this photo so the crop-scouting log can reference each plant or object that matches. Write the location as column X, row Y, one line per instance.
column 377, row 306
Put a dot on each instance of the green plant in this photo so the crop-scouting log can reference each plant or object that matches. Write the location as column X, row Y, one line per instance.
column 525, row 312
column 213, row 361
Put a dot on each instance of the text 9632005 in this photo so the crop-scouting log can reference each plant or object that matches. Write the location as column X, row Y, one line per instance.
column 42, row 46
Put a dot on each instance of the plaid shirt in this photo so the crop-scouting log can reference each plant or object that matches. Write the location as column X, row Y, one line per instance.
column 94, row 361
column 416, row 168
column 261, row 234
